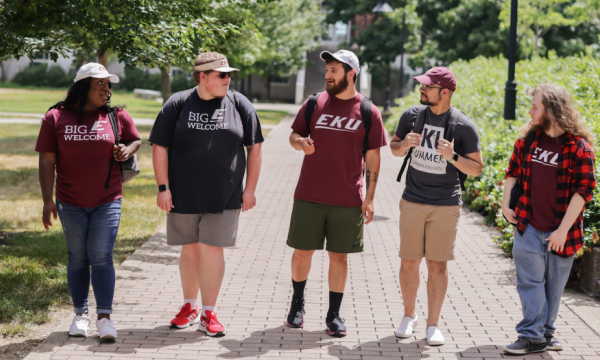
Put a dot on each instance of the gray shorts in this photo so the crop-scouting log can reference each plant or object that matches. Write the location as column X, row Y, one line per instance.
column 210, row 229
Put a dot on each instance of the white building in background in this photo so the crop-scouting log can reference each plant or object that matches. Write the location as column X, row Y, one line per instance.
column 13, row 66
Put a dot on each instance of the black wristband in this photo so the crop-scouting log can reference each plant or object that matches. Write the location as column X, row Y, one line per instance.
column 162, row 188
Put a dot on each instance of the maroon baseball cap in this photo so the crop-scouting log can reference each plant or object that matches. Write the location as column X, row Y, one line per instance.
column 438, row 75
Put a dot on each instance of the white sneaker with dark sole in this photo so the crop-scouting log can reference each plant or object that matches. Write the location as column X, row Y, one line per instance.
column 106, row 329
column 407, row 327
column 80, row 325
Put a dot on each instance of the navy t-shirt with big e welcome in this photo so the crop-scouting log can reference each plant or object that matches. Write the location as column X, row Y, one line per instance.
column 206, row 150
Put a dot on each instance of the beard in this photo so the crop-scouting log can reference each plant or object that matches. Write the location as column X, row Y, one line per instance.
column 544, row 125
column 429, row 101
column 335, row 89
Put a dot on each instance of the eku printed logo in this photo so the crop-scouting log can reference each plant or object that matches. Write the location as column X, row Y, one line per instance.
column 200, row 121
column 338, row 123
column 543, row 157
column 80, row 132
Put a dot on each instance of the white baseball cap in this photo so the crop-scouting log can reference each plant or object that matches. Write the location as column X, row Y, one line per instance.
column 343, row 56
column 221, row 65
column 95, row 70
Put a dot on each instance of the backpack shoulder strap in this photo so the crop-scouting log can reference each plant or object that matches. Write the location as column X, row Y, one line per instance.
column 420, row 120
column 310, row 109
column 232, row 98
column 417, row 128
column 181, row 102
column 112, row 116
column 449, row 132
column 365, row 113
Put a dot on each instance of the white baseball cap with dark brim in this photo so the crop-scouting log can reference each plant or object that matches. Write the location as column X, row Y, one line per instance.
column 217, row 65
column 343, row 56
column 95, row 70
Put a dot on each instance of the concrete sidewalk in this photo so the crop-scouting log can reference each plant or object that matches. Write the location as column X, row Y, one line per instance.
column 479, row 315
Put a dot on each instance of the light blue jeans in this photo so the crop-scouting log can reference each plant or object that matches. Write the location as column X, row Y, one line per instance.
column 541, row 279
column 91, row 235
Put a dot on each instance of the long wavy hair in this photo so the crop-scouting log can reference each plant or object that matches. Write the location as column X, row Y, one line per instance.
column 77, row 96
column 560, row 108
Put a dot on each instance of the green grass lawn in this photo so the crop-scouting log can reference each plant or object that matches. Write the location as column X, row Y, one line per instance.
column 33, row 261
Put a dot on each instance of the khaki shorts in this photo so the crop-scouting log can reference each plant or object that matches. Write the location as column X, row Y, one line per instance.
column 428, row 231
column 211, row 229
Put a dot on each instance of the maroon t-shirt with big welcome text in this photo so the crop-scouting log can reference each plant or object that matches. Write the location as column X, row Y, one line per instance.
column 544, row 166
column 332, row 175
column 83, row 152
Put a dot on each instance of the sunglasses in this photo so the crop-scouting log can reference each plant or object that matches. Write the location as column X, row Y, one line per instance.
column 223, row 75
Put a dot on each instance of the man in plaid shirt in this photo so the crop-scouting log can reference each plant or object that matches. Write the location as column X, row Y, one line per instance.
column 549, row 215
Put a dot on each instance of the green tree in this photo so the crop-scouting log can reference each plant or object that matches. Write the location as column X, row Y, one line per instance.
column 288, row 28
column 536, row 18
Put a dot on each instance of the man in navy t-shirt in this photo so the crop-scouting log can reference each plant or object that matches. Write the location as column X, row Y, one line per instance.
column 199, row 161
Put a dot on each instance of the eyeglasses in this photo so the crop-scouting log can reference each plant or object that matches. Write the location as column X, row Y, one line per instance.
column 428, row 87
column 102, row 83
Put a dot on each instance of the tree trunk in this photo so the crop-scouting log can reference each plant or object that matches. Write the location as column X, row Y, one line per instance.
column 166, row 84
column 242, row 86
column 3, row 75
column 250, row 87
column 102, row 55
column 268, row 83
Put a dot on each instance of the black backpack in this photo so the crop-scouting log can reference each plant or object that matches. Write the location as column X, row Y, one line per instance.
column 365, row 113
column 449, row 130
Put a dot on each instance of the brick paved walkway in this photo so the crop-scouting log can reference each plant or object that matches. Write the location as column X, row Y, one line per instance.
column 479, row 314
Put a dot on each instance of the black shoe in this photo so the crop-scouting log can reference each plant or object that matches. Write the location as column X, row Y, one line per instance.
column 335, row 326
column 295, row 317
column 524, row 346
column 552, row 343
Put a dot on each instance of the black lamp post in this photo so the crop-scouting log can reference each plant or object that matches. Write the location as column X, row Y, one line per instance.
column 384, row 7
column 510, row 99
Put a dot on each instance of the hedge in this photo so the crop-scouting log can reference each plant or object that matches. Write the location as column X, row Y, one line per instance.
column 480, row 95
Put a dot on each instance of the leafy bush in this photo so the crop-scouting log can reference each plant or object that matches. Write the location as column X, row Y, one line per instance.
column 140, row 79
column 181, row 82
column 38, row 74
column 480, row 95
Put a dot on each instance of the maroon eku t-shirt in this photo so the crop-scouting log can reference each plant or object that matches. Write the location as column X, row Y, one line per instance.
column 332, row 175
column 83, row 152
column 544, row 166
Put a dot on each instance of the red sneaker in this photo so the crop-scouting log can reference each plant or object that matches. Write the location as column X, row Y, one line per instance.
column 186, row 317
column 210, row 325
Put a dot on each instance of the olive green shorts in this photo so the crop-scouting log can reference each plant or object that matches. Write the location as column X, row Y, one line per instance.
column 313, row 222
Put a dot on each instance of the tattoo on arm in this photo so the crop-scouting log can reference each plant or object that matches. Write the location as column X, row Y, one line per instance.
column 375, row 176
column 368, row 178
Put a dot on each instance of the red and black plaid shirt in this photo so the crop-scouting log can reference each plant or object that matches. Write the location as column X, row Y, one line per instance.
column 575, row 174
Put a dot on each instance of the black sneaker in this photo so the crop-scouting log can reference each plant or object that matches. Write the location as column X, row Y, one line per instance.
column 524, row 346
column 335, row 326
column 552, row 343
column 295, row 317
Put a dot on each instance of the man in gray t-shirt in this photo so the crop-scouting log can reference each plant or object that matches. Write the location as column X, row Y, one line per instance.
column 431, row 202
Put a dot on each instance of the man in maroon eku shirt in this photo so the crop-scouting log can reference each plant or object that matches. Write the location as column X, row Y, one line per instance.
column 549, row 215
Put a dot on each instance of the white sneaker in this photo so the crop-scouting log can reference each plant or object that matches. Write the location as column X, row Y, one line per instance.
column 106, row 329
column 407, row 326
column 80, row 325
column 434, row 336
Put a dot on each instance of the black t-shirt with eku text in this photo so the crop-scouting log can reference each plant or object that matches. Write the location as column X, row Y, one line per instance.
column 206, row 150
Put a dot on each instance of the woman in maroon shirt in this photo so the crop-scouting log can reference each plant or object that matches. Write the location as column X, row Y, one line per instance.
column 76, row 142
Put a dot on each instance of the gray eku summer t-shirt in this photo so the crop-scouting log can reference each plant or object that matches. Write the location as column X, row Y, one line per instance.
column 206, row 150
column 430, row 179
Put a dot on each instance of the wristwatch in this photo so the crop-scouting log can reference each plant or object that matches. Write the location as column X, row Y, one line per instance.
column 162, row 188
column 454, row 158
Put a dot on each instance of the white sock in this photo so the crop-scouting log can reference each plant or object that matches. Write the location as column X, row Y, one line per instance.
column 192, row 302
column 209, row 308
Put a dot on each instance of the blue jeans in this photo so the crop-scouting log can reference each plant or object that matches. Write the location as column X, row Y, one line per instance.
column 541, row 279
column 91, row 235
